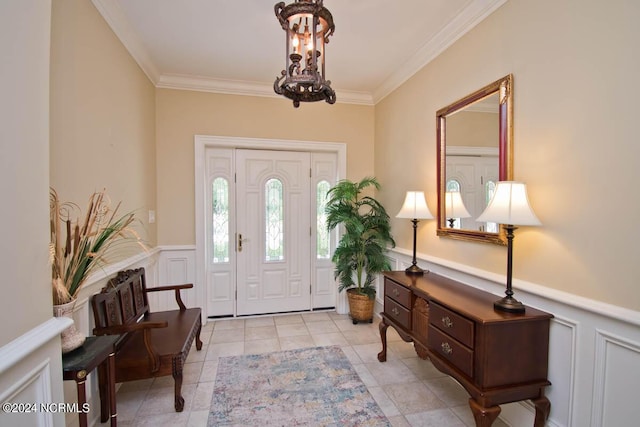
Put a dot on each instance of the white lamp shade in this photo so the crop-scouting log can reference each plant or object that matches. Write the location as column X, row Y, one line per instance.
column 453, row 205
column 415, row 206
column 510, row 205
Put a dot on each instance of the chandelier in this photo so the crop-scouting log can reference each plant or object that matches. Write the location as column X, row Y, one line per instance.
column 308, row 26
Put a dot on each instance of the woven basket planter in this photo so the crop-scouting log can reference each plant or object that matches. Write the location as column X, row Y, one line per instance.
column 360, row 307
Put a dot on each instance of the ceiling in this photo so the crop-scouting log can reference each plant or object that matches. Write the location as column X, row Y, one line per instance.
column 237, row 46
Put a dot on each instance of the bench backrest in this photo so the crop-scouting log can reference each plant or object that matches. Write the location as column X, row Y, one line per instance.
column 122, row 301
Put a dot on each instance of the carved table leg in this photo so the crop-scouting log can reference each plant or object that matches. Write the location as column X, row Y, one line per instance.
column 177, row 378
column 103, row 390
column 382, row 356
column 421, row 350
column 198, row 340
column 543, row 407
column 111, row 375
column 82, row 398
column 484, row 416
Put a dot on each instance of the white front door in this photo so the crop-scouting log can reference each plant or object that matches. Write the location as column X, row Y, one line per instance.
column 273, row 231
column 252, row 281
column 474, row 175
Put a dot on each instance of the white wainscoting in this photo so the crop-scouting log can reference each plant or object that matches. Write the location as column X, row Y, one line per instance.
column 176, row 266
column 27, row 367
column 594, row 350
column 617, row 375
column 27, row 363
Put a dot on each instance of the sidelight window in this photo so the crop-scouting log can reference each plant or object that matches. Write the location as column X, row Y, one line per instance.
column 322, row 234
column 453, row 186
column 220, row 220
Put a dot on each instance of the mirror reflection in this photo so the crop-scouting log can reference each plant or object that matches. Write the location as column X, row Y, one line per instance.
column 472, row 163
column 474, row 137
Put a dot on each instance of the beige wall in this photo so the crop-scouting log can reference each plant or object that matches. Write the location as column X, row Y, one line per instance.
column 473, row 129
column 183, row 114
column 24, row 160
column 575, row 141
column 102, row 115
column 575, row 91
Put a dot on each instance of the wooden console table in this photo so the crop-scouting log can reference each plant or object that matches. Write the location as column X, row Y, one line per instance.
column 497, row 357
column 77, row 364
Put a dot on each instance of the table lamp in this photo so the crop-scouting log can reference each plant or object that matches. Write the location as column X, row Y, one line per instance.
column 415, row 208
column 454, row 207
column 510, row 207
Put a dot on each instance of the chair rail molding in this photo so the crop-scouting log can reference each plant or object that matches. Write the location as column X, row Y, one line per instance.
column 16, row 350
column 31, row 371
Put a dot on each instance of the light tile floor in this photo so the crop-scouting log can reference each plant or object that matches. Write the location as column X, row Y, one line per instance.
column 409, row 390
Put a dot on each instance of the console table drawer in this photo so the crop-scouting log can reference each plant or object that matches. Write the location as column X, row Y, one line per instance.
column 397, row 292
column 397, row 313
column 448, row 348
column 452, row 324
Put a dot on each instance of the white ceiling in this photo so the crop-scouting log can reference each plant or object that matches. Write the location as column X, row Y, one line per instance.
column 237, row 46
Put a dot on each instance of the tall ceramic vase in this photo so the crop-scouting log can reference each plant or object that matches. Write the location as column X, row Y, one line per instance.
column 71, row 337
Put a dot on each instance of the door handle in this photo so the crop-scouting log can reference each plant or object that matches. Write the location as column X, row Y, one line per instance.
column 239, row 247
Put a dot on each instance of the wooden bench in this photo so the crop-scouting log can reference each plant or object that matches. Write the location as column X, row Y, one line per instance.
column 151, row 344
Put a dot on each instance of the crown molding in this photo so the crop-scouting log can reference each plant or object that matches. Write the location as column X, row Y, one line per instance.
column 460, row 25
column 237, row 87
column 470, row 16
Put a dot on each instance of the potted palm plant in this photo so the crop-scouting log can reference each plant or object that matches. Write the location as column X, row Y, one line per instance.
column 79, row 245
column 361, row 252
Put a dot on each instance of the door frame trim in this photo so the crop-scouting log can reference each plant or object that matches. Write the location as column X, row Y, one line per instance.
column 201, row 143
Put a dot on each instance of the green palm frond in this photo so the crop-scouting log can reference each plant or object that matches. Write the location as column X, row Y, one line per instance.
column 361, row 251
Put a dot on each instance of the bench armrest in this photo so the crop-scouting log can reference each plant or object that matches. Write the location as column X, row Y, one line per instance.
column 123, row 329
column 175, row 288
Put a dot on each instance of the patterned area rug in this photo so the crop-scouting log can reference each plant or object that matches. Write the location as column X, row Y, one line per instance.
column 306, row 387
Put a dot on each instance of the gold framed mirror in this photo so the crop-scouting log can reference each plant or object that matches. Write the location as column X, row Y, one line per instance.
column 475, row 151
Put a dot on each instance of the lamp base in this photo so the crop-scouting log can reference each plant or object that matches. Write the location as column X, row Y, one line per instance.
column 414, row 269
column 509, row 304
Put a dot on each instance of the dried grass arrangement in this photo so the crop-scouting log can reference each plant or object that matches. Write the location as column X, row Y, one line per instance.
column 78, row 246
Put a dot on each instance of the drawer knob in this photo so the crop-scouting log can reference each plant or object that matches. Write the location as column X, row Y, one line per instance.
column 395, row 311
column 446, row 348
column 446, row 321
column 395, row 292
